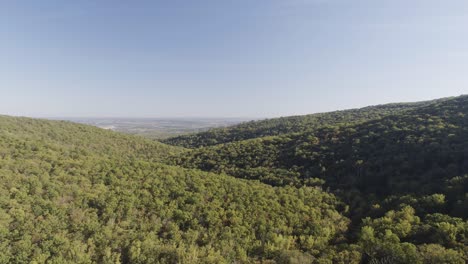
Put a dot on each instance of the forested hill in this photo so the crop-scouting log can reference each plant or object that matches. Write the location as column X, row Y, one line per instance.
column 420, row 151
column 30, row 134
column 416, row 158
column 391, row 189
column 77, row 194
column 292, row 124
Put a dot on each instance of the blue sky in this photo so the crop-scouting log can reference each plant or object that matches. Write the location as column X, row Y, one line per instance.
column 222, row 58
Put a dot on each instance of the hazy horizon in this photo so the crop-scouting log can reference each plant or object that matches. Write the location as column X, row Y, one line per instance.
column 224, row 59
column 245, row 118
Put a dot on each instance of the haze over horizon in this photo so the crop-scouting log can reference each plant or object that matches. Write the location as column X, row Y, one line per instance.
column 240, row 118
column 250, row 59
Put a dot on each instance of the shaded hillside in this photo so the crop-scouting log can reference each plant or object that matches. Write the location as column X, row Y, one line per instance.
column 420, row 151
column 403, row 177
column 292, row 124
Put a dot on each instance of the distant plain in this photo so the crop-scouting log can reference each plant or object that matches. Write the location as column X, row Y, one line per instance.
column 157, row 128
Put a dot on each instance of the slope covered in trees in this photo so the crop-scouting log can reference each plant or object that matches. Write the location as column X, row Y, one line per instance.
column 78, row 139
column 414, row 151
column 291, row 124
column 358, row 186
column 416, row 158
column 75, row 194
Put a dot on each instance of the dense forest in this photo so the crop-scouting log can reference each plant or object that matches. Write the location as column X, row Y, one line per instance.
column 291, row 124
column 413, row 157
column 381, row 184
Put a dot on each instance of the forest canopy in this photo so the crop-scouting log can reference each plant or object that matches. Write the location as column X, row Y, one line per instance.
column 382, row 184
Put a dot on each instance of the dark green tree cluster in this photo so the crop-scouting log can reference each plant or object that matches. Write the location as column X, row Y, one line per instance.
column 422, row 151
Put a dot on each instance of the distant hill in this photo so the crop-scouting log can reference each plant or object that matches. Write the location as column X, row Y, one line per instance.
column 291, row 124
column 417, row 151
column 415, row 156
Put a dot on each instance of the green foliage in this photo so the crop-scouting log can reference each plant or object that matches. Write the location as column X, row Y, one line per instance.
column 73, row 201
column 384, row 239
column 385, row 184
column 434, row 254
column 420, row 152
column 27, row 135
column 410, row 163
column 291, row 124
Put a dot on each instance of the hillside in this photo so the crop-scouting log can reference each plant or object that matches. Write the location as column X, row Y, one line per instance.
column 27, row 134
column 414, row 158
column 376, row 187
column 402, row 144
column 292, row 124
column 77, row 194
column 418, row 151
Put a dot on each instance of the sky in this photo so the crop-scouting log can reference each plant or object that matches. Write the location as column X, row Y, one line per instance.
column 226, row 58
